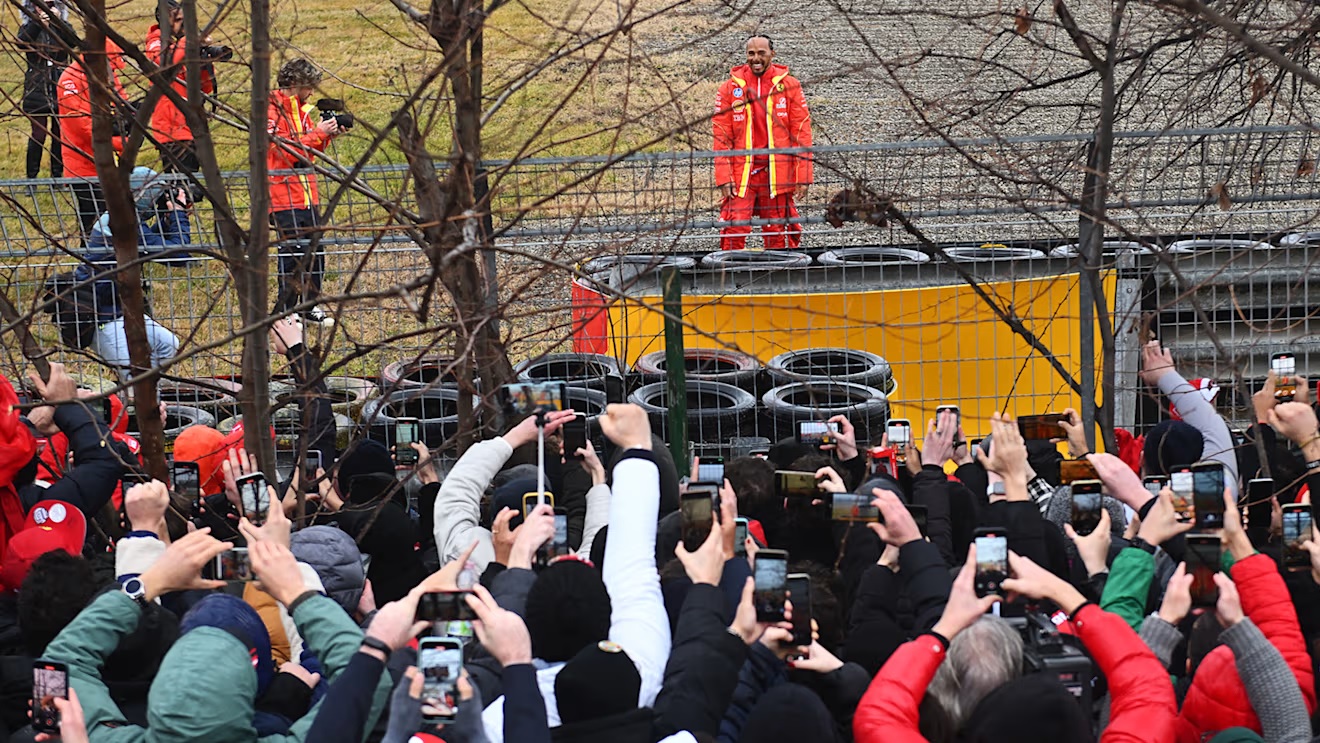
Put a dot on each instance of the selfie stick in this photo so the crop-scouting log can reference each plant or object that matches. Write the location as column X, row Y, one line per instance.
column 540, row 457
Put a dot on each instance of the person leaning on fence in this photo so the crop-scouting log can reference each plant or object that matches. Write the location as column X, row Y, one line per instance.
column 46, row 41
column 293, row 196
column 761, row 106
column 75, row 106
column 162, row 211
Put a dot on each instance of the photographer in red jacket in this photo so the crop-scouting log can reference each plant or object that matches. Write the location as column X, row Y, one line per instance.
column 168, row 125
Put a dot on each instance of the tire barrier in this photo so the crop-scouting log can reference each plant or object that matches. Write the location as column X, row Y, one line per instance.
column 347, row 395
column 414, row 373
column 234, row 385
column 830, row 364
column 1196, row 246
column 715, row 411
column 755, row 260
column 177, row 418
column 1300, row 240
column 704, row 364
column 577, row 369
column 872, row 256
column 202, row 394
column 640, row 262
column 990, row 252
column 1108, row 248
column 867, row 407
column 435, row 408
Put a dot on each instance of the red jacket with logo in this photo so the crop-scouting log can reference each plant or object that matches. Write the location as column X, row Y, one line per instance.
column 289, row 119
column 763, row 112
column 75, row 102
column 167, row 122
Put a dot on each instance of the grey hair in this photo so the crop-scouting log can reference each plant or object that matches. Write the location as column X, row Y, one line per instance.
column 981, row 658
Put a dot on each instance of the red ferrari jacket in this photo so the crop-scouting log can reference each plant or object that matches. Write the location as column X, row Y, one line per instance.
column 1142, row 706
column 167, row 122
column 765, row 112
column 75, row 103
column 1217, row 699
column 288, row 119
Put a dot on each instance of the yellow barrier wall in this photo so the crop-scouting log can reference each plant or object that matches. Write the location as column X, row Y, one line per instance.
column 944, row 343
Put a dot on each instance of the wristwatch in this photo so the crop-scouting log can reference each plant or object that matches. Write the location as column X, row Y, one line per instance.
column 996, row 488
column 135, row 589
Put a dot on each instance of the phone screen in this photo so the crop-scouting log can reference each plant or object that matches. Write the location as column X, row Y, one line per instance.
column 441, row 662
column 444, row 606
column 129, row 479
column 816, row 432
column 234, row 565
column 1284, row 365
column 50, row 681
column 1076, row 469
column 799, row 594
column 1155, row 483
column 991, row 563
column 1296, row 532
column 1208, row 495
column 770, row 577
column 1085, row 507
column 740, row 537
column 185, row 477
column 405, row 433
column 1040, row 427
column 710, row 472
column 1203, row 563
column 899, row 433
column 254, row 497
column 849, row 507
column 530, row 398
column 1183, row 486
column 575, row 436
column 789, row 484
column 558, row 544
column 1260, row 509
column 696, row 516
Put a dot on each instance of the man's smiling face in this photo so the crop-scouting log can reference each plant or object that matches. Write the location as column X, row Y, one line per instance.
column 759, row 55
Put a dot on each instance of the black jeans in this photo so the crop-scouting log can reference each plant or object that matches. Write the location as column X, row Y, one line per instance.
column 302, row 262
column 91, row 203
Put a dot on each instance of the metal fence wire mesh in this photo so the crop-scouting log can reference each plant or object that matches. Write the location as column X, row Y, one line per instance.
column 1207, row 247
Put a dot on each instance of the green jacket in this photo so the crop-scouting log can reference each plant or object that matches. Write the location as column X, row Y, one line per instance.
column 206, row 684
column 1128, row 586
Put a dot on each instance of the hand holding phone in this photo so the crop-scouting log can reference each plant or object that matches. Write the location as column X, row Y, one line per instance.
column 405, row 433
column 1284, row 366
column 50, row 681
column 440, row 661
column 817, row 433
column 770, row 579
column 991, row 561
column 253, row 497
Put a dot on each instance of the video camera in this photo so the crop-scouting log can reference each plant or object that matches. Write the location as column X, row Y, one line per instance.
column 217, row 53
column 333, row 108
column 1045, row 650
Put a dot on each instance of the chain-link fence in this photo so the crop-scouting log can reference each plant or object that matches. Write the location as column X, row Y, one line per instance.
column 975, row 300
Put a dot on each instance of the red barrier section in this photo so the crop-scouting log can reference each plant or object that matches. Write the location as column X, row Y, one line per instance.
column 591, row 320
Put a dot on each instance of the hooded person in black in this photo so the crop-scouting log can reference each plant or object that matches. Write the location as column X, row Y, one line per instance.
column 790, row 712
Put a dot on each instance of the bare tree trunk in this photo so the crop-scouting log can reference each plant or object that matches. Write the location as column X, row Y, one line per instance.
column 26, row 341
column 124, row 225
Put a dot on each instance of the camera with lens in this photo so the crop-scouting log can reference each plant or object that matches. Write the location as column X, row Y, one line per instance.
column 217, row 53
column 1046, row 650
column 333, row 108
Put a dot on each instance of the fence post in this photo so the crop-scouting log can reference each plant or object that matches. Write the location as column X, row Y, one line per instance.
column 675, row 371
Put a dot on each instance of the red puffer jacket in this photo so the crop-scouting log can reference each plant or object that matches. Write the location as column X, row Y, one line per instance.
column 1142, row 709
column 1217, row 699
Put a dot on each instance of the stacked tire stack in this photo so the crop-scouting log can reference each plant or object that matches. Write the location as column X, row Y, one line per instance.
column 721, row 387
column 815, row 384
column 591, row 379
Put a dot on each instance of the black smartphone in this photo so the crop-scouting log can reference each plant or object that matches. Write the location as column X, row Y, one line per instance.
column 1085, row 506
column 790, row 484
column 234, row 565
column 253, row 497
column 575, row 436
column 1296, row 533
column 1076, row 469
column 771, row 582
column 440, row 660
column 849, row 507
column 187, row 480
column 1041, row 427
column 50, row 681
column 816, row 433
column 532, row 500
column 1183, row 486
column 1208, row 494
column 311, row 464
column 445, row 606
column 1155, row 483
column 991, row 560
column 799, row 594
column 405, row 433
column 1284, row 365
column 130, row 478
column 534, row 398
column 1202, row 563
column 696, row 515
column 918, row 515
column 709, row 469
column 1259, row 506
column 740, row 537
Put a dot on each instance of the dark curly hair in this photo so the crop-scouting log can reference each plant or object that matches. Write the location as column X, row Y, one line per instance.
column 56, row 588
column 297, row 73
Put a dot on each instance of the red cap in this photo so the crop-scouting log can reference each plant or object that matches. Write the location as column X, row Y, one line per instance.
column 50, row 525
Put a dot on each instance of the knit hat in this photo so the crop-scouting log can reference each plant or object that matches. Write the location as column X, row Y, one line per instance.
column 235, row 616
column 509, row 495
column 1170, row 445
column 789, row 712
column 884, row 482
column 50, row 525
column 205, row 446
column 567, row 609
column 366, row 457
column 600, row 681
column 1032, row 709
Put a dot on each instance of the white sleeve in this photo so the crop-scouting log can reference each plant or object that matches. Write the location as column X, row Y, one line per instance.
column 458, row 504
column 638, row 622
column 598, row 515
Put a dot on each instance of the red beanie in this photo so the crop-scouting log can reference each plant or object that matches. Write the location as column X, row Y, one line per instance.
column 207, row 447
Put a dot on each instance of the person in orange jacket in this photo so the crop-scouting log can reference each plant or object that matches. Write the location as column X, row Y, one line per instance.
column 293, row 196
column 761, row 106
column 168, row 125
column 75, row 105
